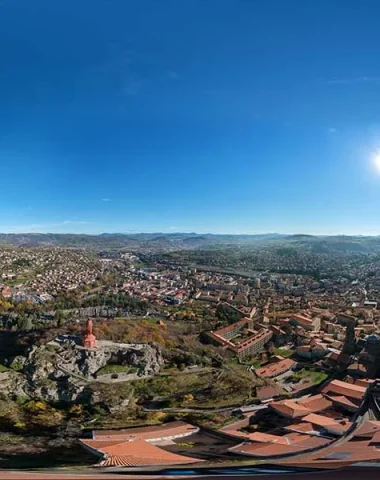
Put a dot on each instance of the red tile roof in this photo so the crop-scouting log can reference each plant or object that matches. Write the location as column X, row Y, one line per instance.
column 99, row 444
column 266, row 450
column 289, row 408
column 303, row 427
column 303, row 320
column 316, row 403
column 131, row 447
column 327, row 423
column 345, row 402
column 125, row 461
column 363, row 382
column 337, row 455
column 266, row 438
column 320, row 420
column 150, row 432
column 368, row 429
column 266, row 392
column 140, row 453
column 300, row 408
column 295, row 444
column 376, row 438
column 274, row 369
column 314, row 441
column 301, row 386
column 338, row 387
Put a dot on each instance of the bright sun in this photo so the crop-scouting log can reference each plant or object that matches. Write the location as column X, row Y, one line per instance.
column 376, row 161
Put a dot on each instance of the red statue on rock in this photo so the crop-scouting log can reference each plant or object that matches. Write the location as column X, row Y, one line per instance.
column 89, row 339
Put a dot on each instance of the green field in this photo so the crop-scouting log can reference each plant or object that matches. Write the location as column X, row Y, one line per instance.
column 284, row 352
column 315, row 377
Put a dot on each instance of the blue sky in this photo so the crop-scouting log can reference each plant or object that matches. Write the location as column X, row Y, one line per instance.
column 242, row 116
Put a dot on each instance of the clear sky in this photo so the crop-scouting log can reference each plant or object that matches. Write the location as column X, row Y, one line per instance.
column 242, row 116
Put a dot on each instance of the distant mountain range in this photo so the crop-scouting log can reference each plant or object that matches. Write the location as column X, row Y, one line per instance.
column 120, row 240
column 172, row 241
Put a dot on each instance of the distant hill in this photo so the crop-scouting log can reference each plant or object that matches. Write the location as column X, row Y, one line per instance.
column 300, row 236
column 173, row 241
column 120, row 240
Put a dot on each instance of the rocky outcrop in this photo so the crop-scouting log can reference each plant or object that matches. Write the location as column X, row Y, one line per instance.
column 18, row 363
column 52, row 391
column 12, row 383
column 70, row 359
column 62, row 373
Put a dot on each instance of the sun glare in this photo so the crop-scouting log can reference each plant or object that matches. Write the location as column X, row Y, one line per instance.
column 376, row 161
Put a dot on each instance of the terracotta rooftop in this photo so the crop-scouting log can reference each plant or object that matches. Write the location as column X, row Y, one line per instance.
column 320, row 420
column 376, row 438
column 303, row 427
column 266, row 438
column 256, row 337
column 327, row 423
column 152, row 432
column 243, row 322
column 301, row 386
column 339, row 357
column 316, row 403
column 303, row 320
column 125, row 461
column 344, row 401
column 290, row 408
column 312, row 441
column 99, row 444
column 275, row 369
column 139, row 453
column 368, row 429
column 293, row 445
column 235, row 432
column 131, row 447
column 357, row 367
column 363, row 382
column 266, row 392
column 266, row 450
column 338, row 387
column 338, row 455
column 300, row 408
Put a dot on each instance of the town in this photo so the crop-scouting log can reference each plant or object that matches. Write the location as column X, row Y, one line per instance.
column 216, row 365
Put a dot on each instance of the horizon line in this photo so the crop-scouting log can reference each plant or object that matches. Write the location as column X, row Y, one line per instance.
column 196, row 233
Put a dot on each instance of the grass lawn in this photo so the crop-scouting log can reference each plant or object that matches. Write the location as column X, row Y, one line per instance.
column 315, row 377
column 284, row 352
column 117, row 369
column 3, row 369
column 16, row 281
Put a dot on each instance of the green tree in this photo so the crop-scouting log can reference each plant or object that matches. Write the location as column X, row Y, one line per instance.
column 59, row 318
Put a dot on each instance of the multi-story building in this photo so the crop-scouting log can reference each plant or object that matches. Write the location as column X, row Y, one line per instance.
column 306, row 322
column 241, row 338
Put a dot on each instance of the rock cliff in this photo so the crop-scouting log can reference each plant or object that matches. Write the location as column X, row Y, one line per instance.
column 63, row 372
